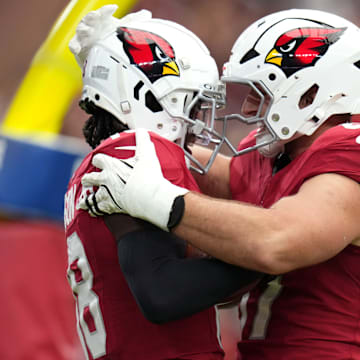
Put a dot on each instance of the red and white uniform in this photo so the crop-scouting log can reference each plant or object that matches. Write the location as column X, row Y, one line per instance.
column 314, row 312
column 110, row 323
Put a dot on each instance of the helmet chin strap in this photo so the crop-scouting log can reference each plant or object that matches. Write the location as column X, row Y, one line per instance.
column 272, row 146
column 272, row 150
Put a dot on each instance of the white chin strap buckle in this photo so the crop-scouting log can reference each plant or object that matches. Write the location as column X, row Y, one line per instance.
column 198, row 127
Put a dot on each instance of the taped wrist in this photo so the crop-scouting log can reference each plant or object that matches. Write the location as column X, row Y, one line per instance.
column 177, row 212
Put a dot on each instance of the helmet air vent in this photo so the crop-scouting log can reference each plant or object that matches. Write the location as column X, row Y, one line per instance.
column 137, row 88
column 151, row 102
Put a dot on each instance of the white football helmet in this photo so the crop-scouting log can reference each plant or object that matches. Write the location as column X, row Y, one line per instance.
column 301, row 66
column 155, row 74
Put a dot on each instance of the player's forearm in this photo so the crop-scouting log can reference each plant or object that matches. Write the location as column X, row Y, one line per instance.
column 166, row 285
column 237, row 233
column 184, row 287
column 294, row 233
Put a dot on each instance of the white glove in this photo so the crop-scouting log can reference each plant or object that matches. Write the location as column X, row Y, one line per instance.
column 92, row 27
column 135, row 186
column 96, row 25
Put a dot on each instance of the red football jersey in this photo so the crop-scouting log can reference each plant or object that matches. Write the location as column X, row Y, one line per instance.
column 314, row 312
column 110, row 324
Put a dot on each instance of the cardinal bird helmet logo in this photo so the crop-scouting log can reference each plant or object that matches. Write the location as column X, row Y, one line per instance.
column 302, row 47
column 152, row 54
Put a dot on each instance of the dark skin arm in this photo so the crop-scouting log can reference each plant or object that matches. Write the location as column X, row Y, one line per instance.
column 167, row 285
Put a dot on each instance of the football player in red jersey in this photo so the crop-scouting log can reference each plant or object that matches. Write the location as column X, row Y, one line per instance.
column 298, row 197
column 140, row 72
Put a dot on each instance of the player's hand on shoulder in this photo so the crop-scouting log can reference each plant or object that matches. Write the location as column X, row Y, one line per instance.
column 98, row 202
column 110, row 182
column 135, row 186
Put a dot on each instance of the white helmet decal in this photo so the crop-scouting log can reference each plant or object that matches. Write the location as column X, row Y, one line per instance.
column 302, row 47
column 151, row 53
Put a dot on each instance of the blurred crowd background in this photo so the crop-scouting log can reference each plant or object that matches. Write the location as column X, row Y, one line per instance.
column 24, row 25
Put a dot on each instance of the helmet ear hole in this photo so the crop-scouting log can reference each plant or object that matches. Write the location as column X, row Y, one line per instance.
column 308, row 97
